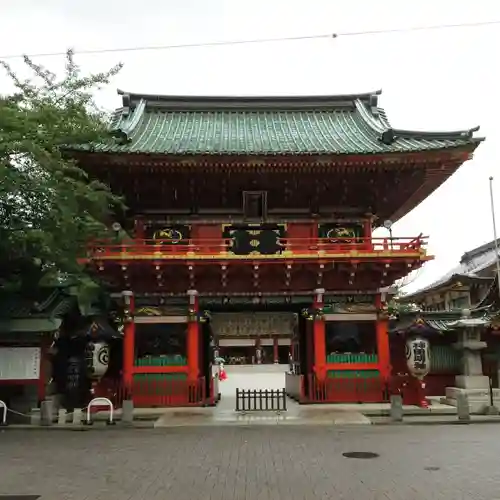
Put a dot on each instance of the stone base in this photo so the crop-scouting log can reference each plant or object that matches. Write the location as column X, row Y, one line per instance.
column 479, row 399
column 472, row 382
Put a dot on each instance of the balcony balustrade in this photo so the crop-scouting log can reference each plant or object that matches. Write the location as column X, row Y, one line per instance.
column 289, row 248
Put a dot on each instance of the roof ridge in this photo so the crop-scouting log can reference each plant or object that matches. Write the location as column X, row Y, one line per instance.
column 128, row 96
column 479, row 250
column 369, row 118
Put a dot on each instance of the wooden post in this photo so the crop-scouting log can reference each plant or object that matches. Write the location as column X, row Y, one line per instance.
column 275, row 351
column 319, row 338
column 128, row 339
column 367, row 234
column 193, row 336
column 383, row 349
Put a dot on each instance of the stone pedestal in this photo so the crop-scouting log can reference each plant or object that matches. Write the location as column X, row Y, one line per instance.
column 471, row 383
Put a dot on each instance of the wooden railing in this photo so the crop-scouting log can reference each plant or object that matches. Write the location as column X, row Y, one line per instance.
column 158, row 393
column 204, row 248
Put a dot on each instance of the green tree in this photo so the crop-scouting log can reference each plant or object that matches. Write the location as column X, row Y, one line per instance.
column 49, row 208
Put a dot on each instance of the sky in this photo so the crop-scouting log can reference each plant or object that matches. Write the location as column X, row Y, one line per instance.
column 431, row 80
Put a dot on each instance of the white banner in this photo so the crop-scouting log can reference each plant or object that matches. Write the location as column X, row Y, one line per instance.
column 20, row 363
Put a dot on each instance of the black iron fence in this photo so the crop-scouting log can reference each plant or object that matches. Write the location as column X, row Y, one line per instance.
column 260, row 400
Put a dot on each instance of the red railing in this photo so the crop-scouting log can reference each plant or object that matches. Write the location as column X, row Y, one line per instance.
column 346, row 390
column 161, row 393
column 217, row 248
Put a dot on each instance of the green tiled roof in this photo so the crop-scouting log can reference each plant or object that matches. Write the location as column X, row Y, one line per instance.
column 44, row 303
column 267, row 125
column 42, row 312
column 437, row 321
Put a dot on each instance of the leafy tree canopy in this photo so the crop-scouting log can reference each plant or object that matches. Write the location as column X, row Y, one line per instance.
column 49, row 208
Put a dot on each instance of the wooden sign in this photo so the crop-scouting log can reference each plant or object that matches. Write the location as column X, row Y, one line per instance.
column 349, row 299
column 254, row 239
column 163, row 310
column 19, row 363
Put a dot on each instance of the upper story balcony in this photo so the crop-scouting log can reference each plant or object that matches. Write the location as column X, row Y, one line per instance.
column 220, row 250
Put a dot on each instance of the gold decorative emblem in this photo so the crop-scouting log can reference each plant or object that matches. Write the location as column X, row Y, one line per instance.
column 254, row 243
column 341, row 232
column 254, row 232
column 168, row 233
column 148, row 311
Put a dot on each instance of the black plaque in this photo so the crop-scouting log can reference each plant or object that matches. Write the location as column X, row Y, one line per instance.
column 336, row 232
column 258, row 239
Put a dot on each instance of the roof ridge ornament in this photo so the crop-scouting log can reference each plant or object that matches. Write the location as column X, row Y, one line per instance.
column 392, row 134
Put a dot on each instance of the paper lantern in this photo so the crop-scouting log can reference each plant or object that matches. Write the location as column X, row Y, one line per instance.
column 97, row 357
column 418, row 357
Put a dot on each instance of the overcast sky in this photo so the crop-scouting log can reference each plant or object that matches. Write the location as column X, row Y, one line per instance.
column 431, row 80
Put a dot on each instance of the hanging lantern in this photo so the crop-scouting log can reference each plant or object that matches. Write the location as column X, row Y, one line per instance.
column 97, row 359
column 418, row 357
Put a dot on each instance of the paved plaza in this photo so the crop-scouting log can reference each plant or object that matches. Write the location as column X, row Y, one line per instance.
column 250, row 463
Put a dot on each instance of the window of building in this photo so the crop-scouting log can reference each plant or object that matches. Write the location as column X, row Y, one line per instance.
column 255, row 204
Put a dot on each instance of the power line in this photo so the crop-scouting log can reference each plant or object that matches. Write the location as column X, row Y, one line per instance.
column 257, row 40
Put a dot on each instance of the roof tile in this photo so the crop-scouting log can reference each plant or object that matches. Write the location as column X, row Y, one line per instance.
column 251, row 126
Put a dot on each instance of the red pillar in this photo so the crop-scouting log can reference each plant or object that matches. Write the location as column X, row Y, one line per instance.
column 319, row 338
column 367, row 233
column 193, row 336
column 139, row 228
column 128, row 339
column 276, row 357
column 383, row 349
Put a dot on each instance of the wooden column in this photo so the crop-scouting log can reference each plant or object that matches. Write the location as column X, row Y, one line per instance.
column 276, row 357
column 319, row 338
column 383, row 349
column 128, row 339
column 193, row 336
column 367, row 233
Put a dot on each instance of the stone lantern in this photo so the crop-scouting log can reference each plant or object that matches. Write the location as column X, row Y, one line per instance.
column 471, row 381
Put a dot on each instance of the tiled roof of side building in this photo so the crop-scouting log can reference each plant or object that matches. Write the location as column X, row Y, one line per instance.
column 472, row 265
column 188, row 125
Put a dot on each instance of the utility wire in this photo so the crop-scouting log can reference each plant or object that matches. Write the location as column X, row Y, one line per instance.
column 258, row 40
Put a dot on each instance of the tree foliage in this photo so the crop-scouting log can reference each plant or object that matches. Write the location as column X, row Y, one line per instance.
column 49, row 208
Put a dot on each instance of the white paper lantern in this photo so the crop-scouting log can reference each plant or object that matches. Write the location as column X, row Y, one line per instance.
column 97, row 357
column 418, row 357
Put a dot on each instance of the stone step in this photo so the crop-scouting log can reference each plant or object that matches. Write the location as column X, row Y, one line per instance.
column 452, row 392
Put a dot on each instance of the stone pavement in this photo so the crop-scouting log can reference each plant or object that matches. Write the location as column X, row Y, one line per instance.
column 253, row 463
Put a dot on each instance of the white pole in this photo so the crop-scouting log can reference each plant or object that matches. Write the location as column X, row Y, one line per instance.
column 497, row 257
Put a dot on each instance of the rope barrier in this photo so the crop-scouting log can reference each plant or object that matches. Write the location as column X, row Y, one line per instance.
column 14, row 412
